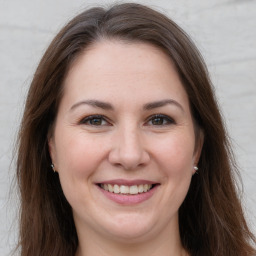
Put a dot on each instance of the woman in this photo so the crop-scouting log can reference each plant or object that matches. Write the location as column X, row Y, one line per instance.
column 122, row 149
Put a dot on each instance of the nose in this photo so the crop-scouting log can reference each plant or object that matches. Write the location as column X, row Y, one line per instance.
column 128, row 150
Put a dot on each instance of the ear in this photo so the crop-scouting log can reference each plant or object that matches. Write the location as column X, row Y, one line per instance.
column 199, row 146
column 52, row 149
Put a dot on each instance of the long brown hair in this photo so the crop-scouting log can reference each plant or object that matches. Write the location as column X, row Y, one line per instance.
column 211, row 219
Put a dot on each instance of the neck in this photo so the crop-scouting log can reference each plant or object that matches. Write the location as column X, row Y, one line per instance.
column 128, row 251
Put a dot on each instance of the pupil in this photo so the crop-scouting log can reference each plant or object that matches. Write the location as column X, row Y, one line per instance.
column 96, row 121
column 157, row 121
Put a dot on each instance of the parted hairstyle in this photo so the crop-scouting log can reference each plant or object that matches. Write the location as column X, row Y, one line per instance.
column 211, row 218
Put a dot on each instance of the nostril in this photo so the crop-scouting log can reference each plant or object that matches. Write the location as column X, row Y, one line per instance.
column 128, row 153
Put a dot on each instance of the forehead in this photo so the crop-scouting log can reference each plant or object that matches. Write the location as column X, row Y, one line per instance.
column 131, row 55
column 109, row 68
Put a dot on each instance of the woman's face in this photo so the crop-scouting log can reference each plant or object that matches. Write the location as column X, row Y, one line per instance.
column 123, row 141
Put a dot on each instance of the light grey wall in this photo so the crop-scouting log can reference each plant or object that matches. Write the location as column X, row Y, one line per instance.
column 224, row 30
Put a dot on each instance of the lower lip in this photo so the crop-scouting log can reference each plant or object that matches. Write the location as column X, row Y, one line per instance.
column 129, row 199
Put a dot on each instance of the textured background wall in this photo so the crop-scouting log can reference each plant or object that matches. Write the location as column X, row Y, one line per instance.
column 224, row 30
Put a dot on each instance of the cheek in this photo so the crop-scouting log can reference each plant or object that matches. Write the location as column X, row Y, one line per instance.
column 78, row 155
column 175, row 153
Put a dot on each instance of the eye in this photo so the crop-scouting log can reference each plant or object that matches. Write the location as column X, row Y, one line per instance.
column 160, row 120
column 95, row 120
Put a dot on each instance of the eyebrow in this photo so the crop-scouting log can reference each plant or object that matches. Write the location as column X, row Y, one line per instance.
column 93, row 103
column 108, row 106
column 162, row 103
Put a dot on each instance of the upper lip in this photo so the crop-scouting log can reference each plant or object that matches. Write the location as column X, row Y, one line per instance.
column 127, row 182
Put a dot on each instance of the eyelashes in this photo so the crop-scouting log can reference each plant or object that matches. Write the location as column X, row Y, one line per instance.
column 160, row 120
column 95, row 120
column 156, row 120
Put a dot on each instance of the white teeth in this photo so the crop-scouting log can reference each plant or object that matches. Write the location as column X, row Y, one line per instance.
column 122, row 189
column 141, row 188
column 110, row 188
column 116, row 189
column 134, row 190
column 145, row 187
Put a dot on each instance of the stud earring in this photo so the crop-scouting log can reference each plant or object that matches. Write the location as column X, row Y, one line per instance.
column 196, row 169
column 53, row 168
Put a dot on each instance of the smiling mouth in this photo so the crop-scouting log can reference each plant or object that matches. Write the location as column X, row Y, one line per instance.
column 127, row 190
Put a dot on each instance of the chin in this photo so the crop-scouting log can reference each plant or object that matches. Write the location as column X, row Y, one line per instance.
column 130, row 228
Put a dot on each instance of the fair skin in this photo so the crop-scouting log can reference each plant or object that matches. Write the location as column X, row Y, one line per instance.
column 124, row 119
